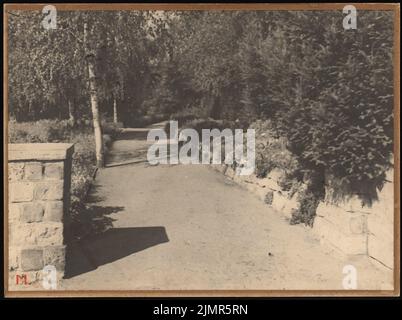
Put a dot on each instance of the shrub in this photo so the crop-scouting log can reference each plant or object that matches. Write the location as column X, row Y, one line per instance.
column 39, row 131
column 43, row 131
column 189, row 114
column 271, row 151
column 136, row 120
column 111, row 128
column 308, row 206
column 207, row 123
column 182, row 119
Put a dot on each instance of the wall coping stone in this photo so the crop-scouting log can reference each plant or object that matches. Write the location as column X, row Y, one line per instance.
column 39, row 151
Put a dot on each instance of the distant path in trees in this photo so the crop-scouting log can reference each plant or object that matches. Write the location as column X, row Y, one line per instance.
column 183, row 227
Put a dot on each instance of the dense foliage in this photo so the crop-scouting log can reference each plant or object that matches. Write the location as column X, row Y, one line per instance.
column 47, row 68
column 327, row 91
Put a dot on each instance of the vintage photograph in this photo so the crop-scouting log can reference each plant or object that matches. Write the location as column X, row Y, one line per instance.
column 201, row 150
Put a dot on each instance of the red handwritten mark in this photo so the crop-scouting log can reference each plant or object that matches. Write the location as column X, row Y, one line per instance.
column 21, row 279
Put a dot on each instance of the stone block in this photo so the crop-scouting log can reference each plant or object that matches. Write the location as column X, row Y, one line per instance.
column 14, row 211
column 49, row 190
column 31, row 212
column 54, row 170
column 33, row 171
column 381, row 248
column 55, row 256
column 330, row 234
column 349, row 222
column 358, row 224
column 50, row 233
column 31, row 259
column 385, row 204
column 41, row 234
column 14, row 257
column 21, row 191
column 54, row 211
column 381, row 237
column 21, row 234
column 379, row 223
column 15, row 171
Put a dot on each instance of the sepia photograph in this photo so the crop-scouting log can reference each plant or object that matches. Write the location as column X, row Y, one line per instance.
column 158, row 150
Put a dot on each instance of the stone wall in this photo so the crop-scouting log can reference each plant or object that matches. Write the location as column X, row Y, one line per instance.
column 39, row 195
column 348, row 226
column 356, row 229
column 381, row 225
column 266, row 189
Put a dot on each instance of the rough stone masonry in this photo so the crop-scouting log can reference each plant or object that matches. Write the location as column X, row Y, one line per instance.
column 39, row 195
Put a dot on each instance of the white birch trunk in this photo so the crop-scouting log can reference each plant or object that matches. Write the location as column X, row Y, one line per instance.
column 115, row 120
column 90, row 59
column 71, row 112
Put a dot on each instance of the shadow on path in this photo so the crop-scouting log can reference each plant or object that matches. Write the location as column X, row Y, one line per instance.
column 87, row 255
column 94, row 240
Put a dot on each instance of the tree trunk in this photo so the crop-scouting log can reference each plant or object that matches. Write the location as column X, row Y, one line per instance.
column 90, row 60
column 71, row 112
column 216, row 108
column 95, row 111
column 115, row 120
column 29, row 111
